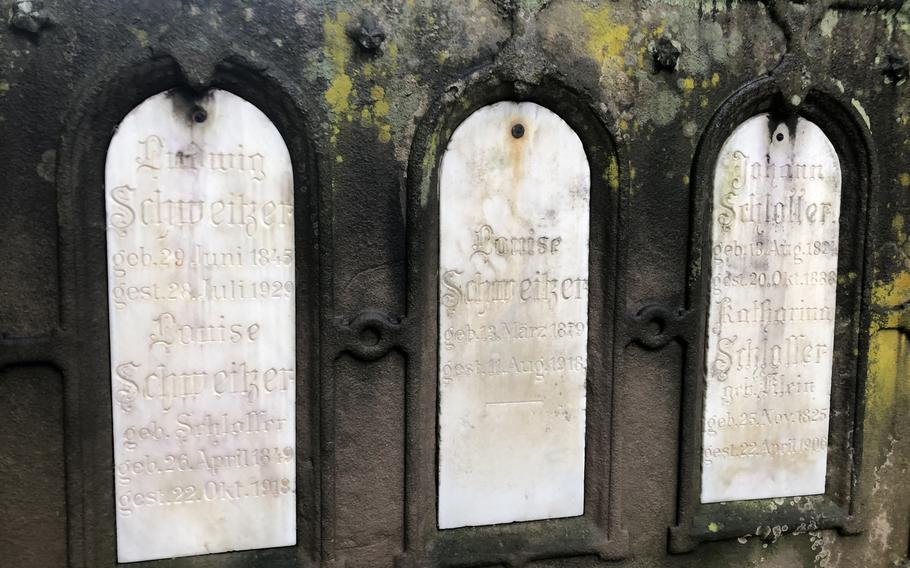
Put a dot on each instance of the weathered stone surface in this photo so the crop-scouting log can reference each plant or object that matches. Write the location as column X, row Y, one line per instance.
column 201, row 279
column 364, row 116
column 771, row 319
column 513, row 301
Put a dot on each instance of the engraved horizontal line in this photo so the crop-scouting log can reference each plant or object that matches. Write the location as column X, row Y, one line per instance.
column 513, row 402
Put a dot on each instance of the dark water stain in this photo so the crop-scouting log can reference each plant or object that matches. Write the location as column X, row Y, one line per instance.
column 187, row 103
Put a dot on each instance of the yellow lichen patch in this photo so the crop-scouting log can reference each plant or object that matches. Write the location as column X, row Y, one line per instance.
column 338, row 93
column 392, row 51
column 659, row 30
column 895, row 319
column 893, row 293
column 380, row 109
column 346, row 95
column 612, row 174
column 639, row 60
column 889, row 363
column 687, row 84
column 337, row 46
column 337, row 50
column 4, row 86
column 606, row 38
column 385, row 133
column 849, row 277
column 904, row 179
column 380, row 106
column 142, row 36
column 715, row 79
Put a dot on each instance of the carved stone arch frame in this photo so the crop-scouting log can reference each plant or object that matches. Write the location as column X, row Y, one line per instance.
column 598, row 531
column 83, row 350
column 839, row 507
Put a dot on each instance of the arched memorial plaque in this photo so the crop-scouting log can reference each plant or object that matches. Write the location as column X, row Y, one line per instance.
column 200, row 236
column 514, row 211
column 771, row 320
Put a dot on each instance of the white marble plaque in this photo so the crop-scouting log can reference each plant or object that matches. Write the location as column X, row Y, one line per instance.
column 513, row 318
column 771, row 320
column 200, row 247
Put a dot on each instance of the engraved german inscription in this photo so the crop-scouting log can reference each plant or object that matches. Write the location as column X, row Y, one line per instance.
column 771, row 319
column 200, row 236
column 513, row 318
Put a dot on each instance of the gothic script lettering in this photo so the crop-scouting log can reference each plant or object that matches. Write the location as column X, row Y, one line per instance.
column 513, row 318
column 200, row 234
column 771, row 319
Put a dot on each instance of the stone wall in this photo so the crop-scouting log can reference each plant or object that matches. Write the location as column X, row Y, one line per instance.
column 366, row 95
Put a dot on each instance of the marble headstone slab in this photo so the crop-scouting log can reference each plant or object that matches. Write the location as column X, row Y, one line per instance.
column 771, row 321
column 200, row 248
column 513, row 318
